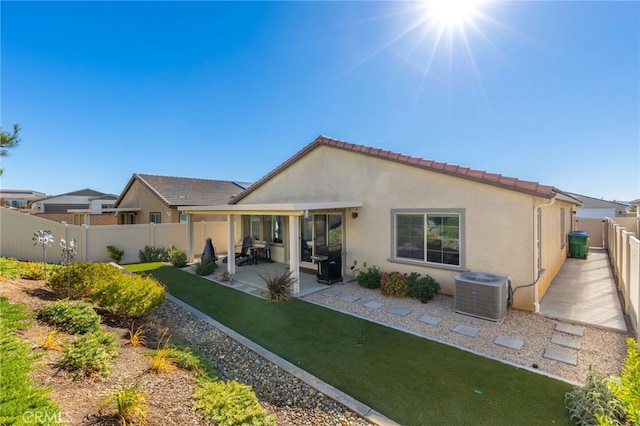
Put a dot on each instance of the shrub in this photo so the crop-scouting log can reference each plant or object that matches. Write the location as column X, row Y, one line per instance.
column 279, row 286
column 594, row 398
column 115, row 253
column 76, row 317
column 81, row 278
column 130, row 403
column 177, row 257
column 205, row 267
column 90, row 354
column 17, row 393
column 371, row 278
column 422, row 288
column 154, row 254
column 32, row 270
column 626, row 387
column 230, row 404
column 394, row 284
column 128, row 295
column 9, row 268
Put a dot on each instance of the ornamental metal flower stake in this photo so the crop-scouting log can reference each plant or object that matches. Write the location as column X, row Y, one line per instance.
column 68, row 254
column 43, row 239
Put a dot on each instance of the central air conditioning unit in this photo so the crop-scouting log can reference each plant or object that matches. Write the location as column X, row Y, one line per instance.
column 481, row 295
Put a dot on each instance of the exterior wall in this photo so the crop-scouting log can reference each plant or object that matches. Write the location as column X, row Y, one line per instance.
column 57, row 217
column 139, row 196
column 498, row 224
column 587, row 213
column 554, row 241
column 61, row 203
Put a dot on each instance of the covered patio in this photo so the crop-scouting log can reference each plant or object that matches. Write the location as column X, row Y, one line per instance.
column 286, row 254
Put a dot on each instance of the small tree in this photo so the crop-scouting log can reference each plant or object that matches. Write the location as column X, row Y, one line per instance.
column 43, row 239
column 8, row 141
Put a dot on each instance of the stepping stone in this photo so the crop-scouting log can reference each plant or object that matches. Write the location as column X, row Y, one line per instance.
column 428, row 319
column 374, row 305
column 561, row 356
column 350, row 298
column 565, row 341
column 400, row 311
column 466, row 330
column 331, row 292
column 570, row 329
column 508, row 342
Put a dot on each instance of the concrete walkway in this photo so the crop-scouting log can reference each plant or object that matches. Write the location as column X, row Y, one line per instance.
column 584, row 292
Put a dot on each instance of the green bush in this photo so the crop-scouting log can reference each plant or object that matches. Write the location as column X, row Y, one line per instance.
column 128, row 295
column 422, row 288
column 109, row 288
column 12, row 269
column 81, row 278
column 17, row 393
column 90, row 354
column 370, row 278
column 189, row 358
column 205, row 267
column 394, row 284
column 76, row 317
column 115, row 253
column 33, row 270
column 230, row 404
column 177, row 257
column 626, row 387
column 594, row 399
column 154, row 254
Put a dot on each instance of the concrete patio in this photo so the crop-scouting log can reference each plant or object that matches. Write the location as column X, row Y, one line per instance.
column 584, row 292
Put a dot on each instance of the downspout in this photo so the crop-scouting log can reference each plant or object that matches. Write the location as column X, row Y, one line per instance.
column 536, row 251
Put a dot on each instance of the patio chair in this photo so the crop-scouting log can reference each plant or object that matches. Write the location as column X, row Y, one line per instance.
column 244, row 255
column 262, row 253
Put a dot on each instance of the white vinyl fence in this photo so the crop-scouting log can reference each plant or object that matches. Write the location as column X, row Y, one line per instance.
column 17, row 230
column 623, row 247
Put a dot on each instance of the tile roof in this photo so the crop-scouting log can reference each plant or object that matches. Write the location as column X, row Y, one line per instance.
column 181, row 191
column 529, row 187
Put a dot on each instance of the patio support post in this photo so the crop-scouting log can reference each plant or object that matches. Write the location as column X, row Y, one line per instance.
column 294, row 252
column 231, row 244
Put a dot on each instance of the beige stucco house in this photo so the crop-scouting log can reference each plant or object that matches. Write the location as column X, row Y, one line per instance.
column 154, row 198
column 406, row 214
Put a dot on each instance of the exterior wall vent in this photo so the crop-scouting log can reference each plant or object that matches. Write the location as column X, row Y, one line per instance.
column 481, row 295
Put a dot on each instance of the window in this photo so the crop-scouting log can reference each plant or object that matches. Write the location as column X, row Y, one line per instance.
column 154, row 217
column 428, row 236
column 263, row 228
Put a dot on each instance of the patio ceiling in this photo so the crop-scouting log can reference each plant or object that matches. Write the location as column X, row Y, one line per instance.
column 276, row 209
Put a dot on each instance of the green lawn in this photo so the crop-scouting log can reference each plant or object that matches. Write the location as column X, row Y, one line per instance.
column 411, row 380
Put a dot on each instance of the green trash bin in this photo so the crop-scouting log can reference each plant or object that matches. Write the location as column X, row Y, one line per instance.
column 578, row 244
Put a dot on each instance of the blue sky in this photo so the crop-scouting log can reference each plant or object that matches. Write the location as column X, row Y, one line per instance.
column 539, row 90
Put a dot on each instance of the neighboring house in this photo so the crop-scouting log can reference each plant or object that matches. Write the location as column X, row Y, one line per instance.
column 18, row 198
column 86, row 206
column 101, row 211
column 406, row 214
column 152, row 198
column 597, row 208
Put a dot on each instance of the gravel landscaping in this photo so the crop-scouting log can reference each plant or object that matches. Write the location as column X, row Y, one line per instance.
column 604, row 349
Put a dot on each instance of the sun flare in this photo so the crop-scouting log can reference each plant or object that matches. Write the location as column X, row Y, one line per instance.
column 452, row 13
